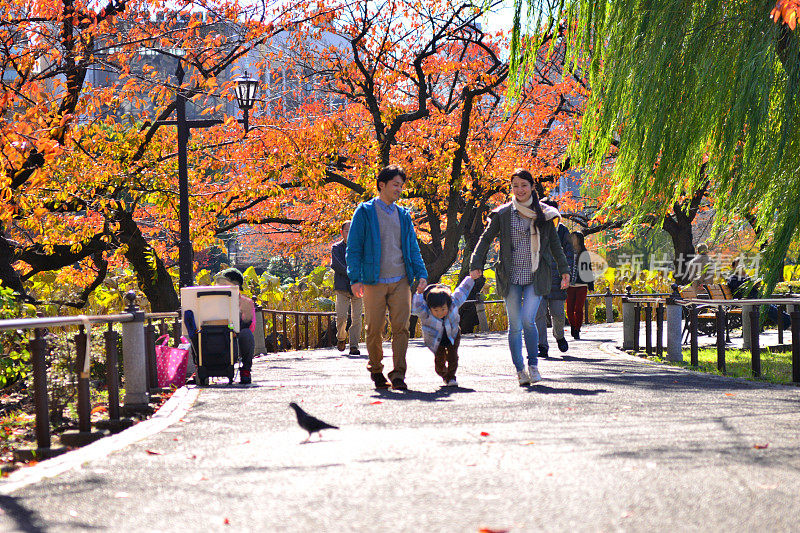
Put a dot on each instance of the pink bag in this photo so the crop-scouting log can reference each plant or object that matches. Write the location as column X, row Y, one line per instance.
column 171, row 362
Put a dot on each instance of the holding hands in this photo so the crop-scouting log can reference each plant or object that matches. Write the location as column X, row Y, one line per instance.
column 475, row 274
column 421, row 285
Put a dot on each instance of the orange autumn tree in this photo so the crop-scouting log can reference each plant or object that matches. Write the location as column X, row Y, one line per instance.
column 89, row 173
column 421, row 85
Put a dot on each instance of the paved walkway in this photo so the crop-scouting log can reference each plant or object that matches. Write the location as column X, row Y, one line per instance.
column 606, row 442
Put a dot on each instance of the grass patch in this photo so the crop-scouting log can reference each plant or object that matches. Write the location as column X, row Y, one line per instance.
column 776, row 367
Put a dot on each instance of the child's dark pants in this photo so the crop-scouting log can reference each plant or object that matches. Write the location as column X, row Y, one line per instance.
column 445, row 360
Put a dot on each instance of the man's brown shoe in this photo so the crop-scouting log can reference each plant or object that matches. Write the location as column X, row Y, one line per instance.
column 341, row 345
column 399, row 384
column 380, row 380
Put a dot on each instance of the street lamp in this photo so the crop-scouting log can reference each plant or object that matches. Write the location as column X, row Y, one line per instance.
column 246, row 89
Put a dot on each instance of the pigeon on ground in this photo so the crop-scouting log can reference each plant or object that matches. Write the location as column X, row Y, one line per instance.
column 309, row 423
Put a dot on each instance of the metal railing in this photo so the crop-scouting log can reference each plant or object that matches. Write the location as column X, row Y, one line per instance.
column 139, row 367
column 284, row 329
column 683, row 316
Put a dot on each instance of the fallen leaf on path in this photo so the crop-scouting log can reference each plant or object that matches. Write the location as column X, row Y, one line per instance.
column 226, row 522
column 484, row 434
column 627, row 514
column 176, row 438
column 153, row 452
column 491, row 530
column 528, row 443
column 730, row 394
column 550, row 474
column 761, row 446
column 339, row 405
column 376, row 402
column 99, row 409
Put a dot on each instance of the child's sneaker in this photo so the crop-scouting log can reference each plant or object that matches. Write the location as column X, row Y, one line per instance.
column 524, row 379
column 535, row 375
column 451, row 383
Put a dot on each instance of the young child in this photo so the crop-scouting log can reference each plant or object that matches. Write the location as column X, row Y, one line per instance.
column 437, row 309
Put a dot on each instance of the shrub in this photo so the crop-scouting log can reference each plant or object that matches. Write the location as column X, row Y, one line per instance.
column 15, row 357
column 600, row 313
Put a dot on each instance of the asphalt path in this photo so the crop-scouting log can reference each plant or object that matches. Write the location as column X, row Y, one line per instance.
column 606, row 442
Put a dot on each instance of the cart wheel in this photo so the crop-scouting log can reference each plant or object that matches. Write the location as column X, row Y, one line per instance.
column 202, row 379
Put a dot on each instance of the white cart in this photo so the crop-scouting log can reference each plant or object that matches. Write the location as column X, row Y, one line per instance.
column 210, row 317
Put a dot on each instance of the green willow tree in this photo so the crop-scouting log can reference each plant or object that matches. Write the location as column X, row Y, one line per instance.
column 679, row 83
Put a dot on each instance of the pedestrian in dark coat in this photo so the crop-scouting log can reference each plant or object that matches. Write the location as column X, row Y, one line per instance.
column 555, row 301
column 345, row 299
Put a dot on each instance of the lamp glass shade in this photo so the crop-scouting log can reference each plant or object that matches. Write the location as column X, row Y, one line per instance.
column 246, row 89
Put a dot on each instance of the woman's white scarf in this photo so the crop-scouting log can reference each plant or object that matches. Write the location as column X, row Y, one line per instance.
column 526, row 212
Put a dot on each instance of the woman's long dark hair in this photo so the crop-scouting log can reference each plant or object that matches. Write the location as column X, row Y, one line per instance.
column 581, row 245
column 521, row 173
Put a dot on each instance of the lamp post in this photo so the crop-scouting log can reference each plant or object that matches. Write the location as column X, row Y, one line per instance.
column 246, row 90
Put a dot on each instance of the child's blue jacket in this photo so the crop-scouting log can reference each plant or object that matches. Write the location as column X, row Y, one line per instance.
column 432, row 326
column 364, row 246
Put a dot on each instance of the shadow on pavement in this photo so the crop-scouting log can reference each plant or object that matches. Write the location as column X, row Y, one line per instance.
column 740, row 453
column 652, row 378
column 362, row 356
column 24, row 519
column 442, row 394
column 580, row 359
column 544, row 389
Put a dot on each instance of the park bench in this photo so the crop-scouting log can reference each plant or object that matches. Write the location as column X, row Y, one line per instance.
column 706, row 316
column 721, row 291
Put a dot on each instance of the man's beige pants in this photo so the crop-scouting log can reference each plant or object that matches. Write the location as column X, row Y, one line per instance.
column 396, row 297
column 347, row 302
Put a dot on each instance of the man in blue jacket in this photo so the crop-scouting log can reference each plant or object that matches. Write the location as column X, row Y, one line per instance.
column 383, row 264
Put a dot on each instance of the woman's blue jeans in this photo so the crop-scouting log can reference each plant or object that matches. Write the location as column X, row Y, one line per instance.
column 521, row 306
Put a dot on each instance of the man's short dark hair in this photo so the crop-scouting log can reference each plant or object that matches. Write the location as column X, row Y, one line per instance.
column 388, row 173
column 437, row 295
column 234, row 275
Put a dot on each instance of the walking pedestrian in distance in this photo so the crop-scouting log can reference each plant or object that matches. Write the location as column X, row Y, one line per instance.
column 555, row 301
column 346, row 301
column 581, row 282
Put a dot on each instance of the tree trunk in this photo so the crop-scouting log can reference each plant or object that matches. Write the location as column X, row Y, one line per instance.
column 157, row 284
column 679, row 227
column 8, row 275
